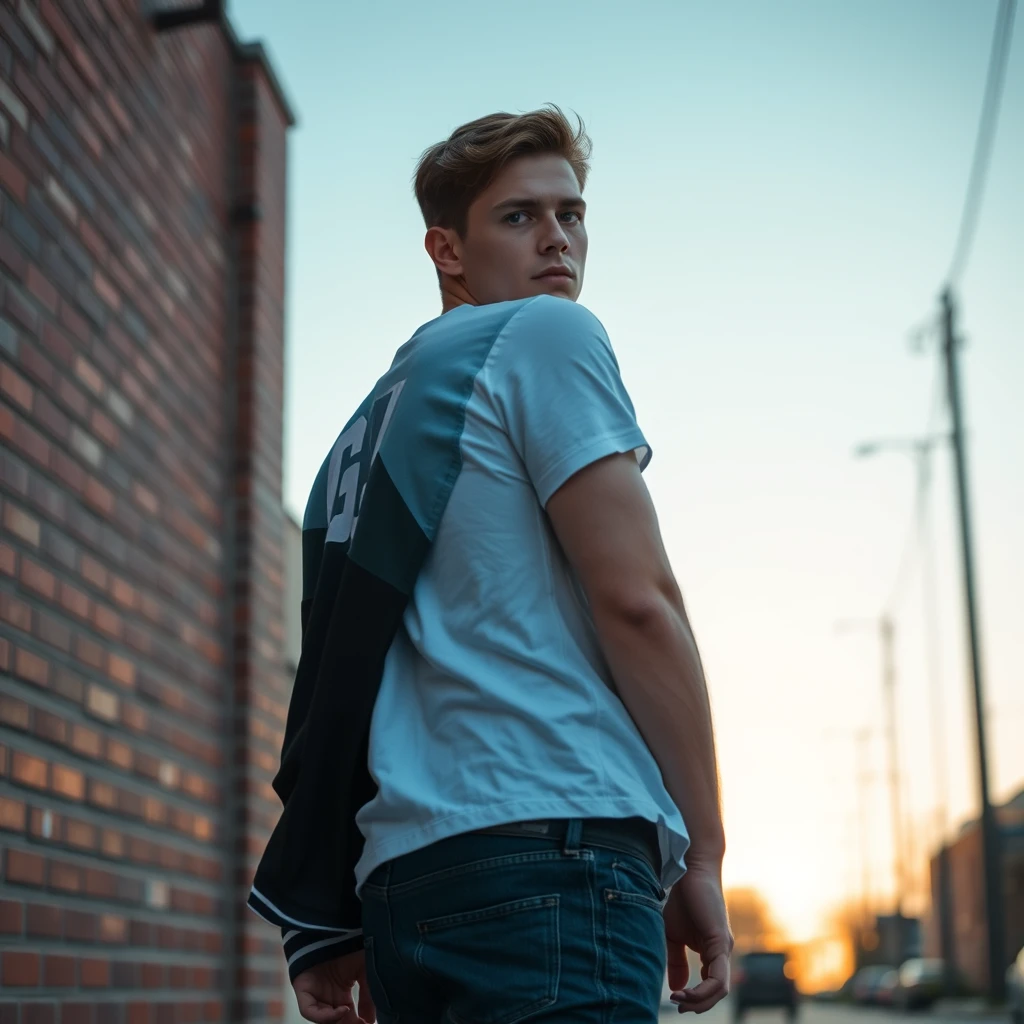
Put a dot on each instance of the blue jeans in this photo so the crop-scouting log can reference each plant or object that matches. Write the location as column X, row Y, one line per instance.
column 495, row 929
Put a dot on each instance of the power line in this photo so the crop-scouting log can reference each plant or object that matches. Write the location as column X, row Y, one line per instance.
column 986, row 134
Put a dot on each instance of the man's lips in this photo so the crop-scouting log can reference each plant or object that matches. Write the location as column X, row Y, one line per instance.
column 555, row 272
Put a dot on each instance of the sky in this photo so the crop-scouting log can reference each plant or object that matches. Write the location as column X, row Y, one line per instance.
column 775, row 193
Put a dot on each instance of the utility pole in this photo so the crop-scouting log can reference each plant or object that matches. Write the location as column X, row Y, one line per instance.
column 990, row 837
column 863, row 790
column 947, row 938
column 887, row 630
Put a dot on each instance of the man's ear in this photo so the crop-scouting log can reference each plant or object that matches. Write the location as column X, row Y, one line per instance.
column 442, row 245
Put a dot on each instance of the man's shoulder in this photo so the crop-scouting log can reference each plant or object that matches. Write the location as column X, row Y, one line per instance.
column 551, row 311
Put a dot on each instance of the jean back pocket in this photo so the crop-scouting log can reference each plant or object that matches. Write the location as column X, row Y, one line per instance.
column 501, row 963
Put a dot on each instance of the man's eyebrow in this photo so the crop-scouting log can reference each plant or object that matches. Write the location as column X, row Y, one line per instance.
column 576, row 202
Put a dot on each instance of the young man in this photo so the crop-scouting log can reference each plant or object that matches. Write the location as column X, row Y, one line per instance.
column 500, row 722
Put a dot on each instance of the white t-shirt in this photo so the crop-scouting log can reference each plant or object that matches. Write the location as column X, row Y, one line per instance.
column 496, row 704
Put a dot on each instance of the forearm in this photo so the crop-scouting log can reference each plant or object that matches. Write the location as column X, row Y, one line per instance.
column 654, row 661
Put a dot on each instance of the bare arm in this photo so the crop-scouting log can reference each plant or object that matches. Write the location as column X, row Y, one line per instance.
column 606, row 523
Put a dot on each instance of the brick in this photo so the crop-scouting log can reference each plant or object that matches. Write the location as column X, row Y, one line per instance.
column 86, row 446
column 68, row 782
column 72, row 398
column 59, row 972
column 65, row 877
column 38, row 366
column 95, row 973
column 57, row 23
column 31, row 668
column 53, row 632
column 87, row 66
column 67, row 685
column 12, row 177
column 41, row 141
column 112, row 843
column 88, row 134
column 28, row 770
column 152, row 975
column 89, row 653
column 77, row 1013
column 105, row 430
column 69, row 472
column 39, row 286
column 42, row 920
column 21, row 970
column 14, row 712
column 39, row 32
column 106, row 290
column 74, row 601
column 13, row 105
column 18, row 38
column 99, row 497
column 50, row 728
column 25, row 868
column 13, row 259
column 8, row 560
column 16, row 613
column 79, row 926
column 39, row 1013
column 93, row 572
column 88, row 375
column 86, row 741
column 124, row 594
column 120, row 754
column 21, row 524
column 101, row 884
column 15, row 386
column 80, row 834
column 12, row 815
column 120, row 407
column 113, row 929
column 11, row 917
column 102, row 795
column 36, row 578
column 31, row 442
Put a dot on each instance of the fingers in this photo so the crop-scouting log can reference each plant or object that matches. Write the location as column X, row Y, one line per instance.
column 367, row 1011
column 324, row 1014
column 712, row 990
column 320, row 1013
column 678, row 967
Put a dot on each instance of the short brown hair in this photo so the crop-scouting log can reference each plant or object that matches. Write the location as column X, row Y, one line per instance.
column 453, row 173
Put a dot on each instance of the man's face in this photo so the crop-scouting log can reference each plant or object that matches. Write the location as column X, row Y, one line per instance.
column 525, row 234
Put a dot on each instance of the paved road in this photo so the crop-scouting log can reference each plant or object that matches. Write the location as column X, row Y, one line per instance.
column 823, row 1013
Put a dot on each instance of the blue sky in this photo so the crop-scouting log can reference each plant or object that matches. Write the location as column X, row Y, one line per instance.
column 774, row 198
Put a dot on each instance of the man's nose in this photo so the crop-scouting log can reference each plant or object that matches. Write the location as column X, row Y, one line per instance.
column 554, row 237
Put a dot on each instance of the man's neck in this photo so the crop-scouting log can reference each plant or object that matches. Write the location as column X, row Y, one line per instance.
column 454, row 292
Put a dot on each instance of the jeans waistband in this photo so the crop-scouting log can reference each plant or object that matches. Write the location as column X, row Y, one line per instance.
column 627, row 835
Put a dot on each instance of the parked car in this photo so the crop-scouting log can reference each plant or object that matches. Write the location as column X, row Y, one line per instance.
column 866, row 983
column 1015, row 989
column 763, row 979
column 888, row 987
column 922, row 982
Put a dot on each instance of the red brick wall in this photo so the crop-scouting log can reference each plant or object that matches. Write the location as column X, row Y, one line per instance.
column 141, row 692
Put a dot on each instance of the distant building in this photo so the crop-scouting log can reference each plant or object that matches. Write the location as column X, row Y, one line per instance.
column 967, row 895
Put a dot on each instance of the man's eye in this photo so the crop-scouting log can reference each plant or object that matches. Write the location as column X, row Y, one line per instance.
column 571, row 217
column 515, row 218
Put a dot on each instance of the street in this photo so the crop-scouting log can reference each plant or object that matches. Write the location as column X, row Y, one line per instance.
column 812, row 1012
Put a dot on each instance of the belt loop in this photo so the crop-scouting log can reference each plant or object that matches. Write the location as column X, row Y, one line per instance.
column 573, row 834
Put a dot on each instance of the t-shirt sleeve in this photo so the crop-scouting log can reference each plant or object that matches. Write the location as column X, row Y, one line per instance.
column 558, row 393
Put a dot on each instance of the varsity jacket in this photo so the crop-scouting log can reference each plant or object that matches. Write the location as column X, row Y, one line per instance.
column 371, row 517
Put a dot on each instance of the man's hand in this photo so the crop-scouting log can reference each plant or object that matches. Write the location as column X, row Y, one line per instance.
column 695, row 916
column 324, row 992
